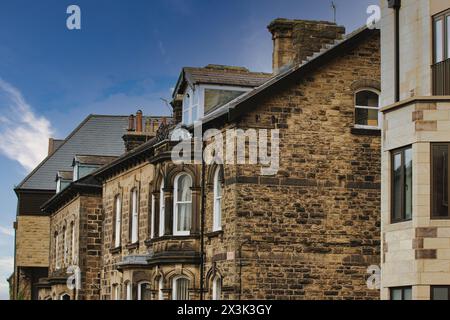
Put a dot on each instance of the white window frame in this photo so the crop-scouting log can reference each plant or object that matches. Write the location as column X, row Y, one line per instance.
column 174, row 286
column 216, row 288
column 65, row 245
column 152, row 218
column 176, row 203
column 198, row 91
column 380, row 114
column 139, row 289
column 129, row 291
column 134, row 216
column 162, row 210
column 217, row 206
column 57, row 264
column 117, row 222
column 116, row 291
column 72, row 225
column 160, row 288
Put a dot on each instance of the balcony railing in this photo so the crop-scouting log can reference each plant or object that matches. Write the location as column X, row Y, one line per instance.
column 441, row 78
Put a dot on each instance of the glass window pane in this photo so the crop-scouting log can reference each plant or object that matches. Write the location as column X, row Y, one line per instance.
column 184, row 188
column 396, row 294
column 397, row 186
column 448, row 37
column 215, row 98
column 366, row 117
column 438, row 39
column 408, row 184
column 184, row 217
column 367, row 99
column 440, row 180
column 440, row 293
column 407, row 294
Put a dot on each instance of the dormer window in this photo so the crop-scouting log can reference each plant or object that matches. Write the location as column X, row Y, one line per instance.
column 63, row 180
column 202, row 99
column 84, row 165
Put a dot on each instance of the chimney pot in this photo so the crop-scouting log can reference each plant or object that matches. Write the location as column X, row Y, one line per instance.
column 131, row 123
column 139, row 121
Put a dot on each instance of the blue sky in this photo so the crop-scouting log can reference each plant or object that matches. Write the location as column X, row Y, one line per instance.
column 127, row 56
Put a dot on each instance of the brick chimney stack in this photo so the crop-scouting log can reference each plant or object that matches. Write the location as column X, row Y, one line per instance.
column 295, row 40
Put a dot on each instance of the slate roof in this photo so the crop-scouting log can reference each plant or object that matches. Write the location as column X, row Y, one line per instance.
column 97, row 134
column 220, row 75
column 93, row 159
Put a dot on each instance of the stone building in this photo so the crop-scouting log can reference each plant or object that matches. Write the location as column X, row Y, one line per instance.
column 309, row 231
column 144, row 226
column 416, row 139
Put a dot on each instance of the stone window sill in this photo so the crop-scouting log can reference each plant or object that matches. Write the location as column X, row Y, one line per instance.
column 115, row 250
column 366, row 132
column 132, row 246
column 214, row 234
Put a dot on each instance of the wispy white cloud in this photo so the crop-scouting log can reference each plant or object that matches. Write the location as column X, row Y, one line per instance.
column 23, row 134
column 6, row 269
column 6, row 231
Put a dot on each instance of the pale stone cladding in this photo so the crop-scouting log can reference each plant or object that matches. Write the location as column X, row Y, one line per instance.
column 414, row 252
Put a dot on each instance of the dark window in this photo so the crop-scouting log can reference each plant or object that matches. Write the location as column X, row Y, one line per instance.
column 439, row 181
column 403, row 293
column 440, row 293
column 401, row 185
column 441, row 53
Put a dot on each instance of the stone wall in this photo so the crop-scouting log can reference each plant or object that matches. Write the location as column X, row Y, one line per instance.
column 32, row 241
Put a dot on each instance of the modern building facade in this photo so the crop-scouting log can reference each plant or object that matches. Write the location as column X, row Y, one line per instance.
column 415, row 97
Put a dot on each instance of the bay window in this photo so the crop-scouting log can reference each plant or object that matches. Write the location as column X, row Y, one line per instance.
column 182, row 205
column 134, row 227
column 401, row 189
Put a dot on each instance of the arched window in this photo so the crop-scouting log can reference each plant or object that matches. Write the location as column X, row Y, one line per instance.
column 143, row 291
column 160, row 288
column 116, row 292
column 128, row 291
column 216, row 288
column 162, row 209
column 182, row 205
column 134, row 217
column 57, row 265
column 72, row 231
column 180, row 288
column 118, row 221
column 152, row 218
column 367, row 113
column 64, row 243
column 217, row 214
column 64, row 296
